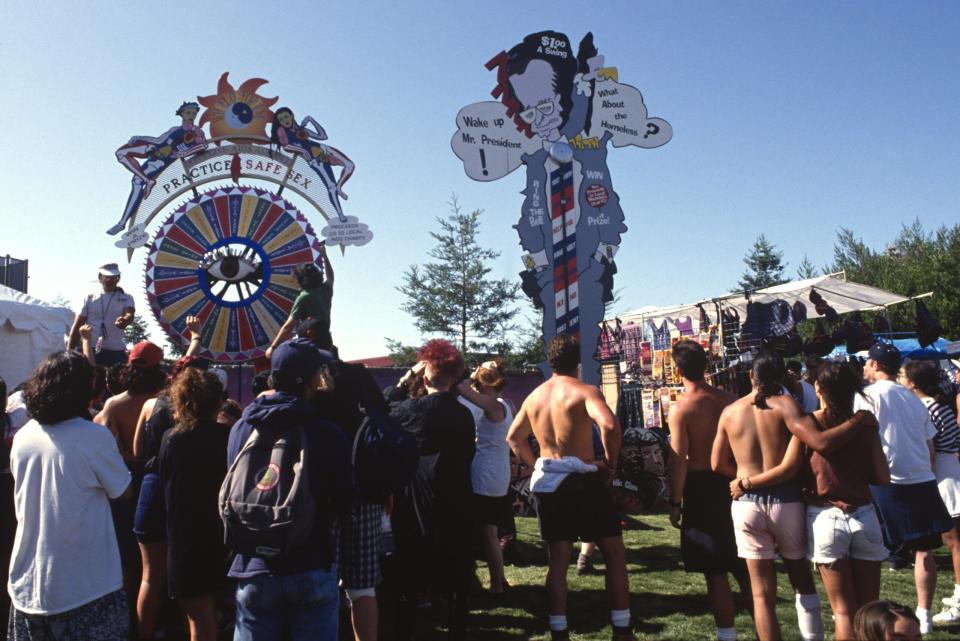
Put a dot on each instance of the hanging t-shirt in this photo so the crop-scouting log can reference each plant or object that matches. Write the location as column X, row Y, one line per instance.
column 905, row 428
column 65, row 554
column 490, row 470
column 101, row 311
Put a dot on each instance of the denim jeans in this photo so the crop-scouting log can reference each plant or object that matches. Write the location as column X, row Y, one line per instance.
column 307, row 604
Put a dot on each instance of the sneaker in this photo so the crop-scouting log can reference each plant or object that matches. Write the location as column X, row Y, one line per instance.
column 951, row 601
column 949, row 615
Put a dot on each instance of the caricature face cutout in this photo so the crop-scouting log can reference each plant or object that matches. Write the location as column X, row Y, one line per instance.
column 285, row 118
column 188, row 114
column 534, row 88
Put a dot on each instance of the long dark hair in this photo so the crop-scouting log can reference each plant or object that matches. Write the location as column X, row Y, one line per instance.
column 768, row 373
column 874, row 619
column 60, row 388
column 925, row 376
column 839, row 385
column 275, row 127
column 195, row 397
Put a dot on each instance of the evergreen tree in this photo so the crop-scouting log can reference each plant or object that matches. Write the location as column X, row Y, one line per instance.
column 764, row 266
column 806, row 269
column 136, row 331
column 453, row 295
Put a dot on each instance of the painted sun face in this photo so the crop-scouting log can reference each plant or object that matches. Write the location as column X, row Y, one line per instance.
column 237, row 114
column 285, row 118
column 534, row 89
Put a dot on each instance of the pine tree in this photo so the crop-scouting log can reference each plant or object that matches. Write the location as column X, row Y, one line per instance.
column 806, row 269
column 454, row 295
column 764, row 266
column 136, row 331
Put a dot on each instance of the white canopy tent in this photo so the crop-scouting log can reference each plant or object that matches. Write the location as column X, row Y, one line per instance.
column 844, row 296
column 30, row 330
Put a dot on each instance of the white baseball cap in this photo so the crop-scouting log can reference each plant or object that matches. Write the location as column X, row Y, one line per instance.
column 110, row 269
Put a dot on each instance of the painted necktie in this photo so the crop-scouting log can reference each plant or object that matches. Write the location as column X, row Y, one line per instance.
column 563, row 221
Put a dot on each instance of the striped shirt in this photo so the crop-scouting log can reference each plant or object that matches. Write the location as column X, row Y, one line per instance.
column 945, row 420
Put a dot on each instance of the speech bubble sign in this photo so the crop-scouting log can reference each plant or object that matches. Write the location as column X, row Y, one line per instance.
column 135, row 237
column 346, row 231
column 488, row 143
column 619, row 109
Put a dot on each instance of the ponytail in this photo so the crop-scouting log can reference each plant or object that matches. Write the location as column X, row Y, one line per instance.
column 768, row 374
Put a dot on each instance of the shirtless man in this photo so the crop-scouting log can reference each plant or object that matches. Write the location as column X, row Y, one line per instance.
column 119, row 415
column 755, row 433
column 707, row 542
column 574, row 500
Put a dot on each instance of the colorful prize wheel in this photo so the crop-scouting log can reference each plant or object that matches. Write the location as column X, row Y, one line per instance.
column 227, row 257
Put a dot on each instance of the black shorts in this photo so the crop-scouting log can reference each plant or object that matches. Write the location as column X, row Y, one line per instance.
column 581, row 508
column 493, row 510
column 707, row 541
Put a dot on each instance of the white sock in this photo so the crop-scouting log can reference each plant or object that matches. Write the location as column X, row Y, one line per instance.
column 620, row 618
column 558, row 622
column 923, row 614
column 808, row 617
column 726, row 634
column 956, row 589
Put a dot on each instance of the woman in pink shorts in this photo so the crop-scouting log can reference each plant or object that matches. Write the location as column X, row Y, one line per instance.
column 844, row 537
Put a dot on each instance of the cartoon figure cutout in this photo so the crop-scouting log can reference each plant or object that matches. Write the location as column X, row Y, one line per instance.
column 158, row 153
column 557, row 114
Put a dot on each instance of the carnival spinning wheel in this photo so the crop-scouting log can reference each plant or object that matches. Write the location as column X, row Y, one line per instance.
column 226, row 256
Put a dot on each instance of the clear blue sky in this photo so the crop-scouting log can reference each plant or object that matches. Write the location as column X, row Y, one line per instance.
column 790, row 119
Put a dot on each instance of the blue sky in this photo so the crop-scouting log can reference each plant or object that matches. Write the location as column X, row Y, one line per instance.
column 790, row 119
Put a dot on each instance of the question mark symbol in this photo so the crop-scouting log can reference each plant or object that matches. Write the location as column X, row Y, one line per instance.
column 652, row 130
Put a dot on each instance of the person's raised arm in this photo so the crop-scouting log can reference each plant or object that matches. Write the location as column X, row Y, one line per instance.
column 805, row 428
column 285, row 332
column 193, row 326
column 599, row 412
column 86, row 343
column 492, row 408
column 680, row 444
column 780, row 473
column 327, row 265
column 721, row 456
column 517, row 437
column 73, row 340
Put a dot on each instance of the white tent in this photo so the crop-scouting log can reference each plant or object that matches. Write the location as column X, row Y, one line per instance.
column 844, row 296
column 30, row 330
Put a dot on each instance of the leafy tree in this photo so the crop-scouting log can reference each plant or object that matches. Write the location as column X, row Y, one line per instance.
column 806, row 269
column 401, row 355
column 764, row 266
column 453, row 294
column 915, row 262
column 136, row 331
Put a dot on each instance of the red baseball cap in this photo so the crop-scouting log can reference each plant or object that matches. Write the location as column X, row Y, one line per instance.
column 145, row 354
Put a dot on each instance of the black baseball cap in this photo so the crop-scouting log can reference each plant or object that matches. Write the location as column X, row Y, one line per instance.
column 296, row 361
column 885, row 354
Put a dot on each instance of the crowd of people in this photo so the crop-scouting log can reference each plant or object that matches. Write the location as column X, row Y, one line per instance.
column 141, row 502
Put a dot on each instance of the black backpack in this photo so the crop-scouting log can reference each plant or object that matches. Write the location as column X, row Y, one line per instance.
column 266, row 503
column 385, row 457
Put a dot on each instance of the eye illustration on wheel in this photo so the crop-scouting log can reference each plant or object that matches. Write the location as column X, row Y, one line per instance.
column 227, row 266
column 227, row 257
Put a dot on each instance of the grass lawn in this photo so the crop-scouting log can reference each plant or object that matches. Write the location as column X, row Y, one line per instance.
column 666, row 602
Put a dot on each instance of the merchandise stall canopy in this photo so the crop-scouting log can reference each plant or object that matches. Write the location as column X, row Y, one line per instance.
column 843, row 295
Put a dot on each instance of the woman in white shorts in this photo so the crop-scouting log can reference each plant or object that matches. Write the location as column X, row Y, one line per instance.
column 923, row 379
column 844, row 538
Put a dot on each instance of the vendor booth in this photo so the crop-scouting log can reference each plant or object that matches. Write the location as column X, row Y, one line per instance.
column 30, row 330
column 639, row 378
